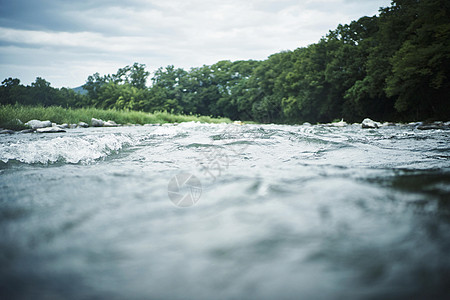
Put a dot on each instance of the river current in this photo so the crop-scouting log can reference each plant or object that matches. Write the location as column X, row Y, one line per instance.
column 203, row 211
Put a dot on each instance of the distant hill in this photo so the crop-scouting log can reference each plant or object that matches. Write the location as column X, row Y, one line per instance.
column 80, row 90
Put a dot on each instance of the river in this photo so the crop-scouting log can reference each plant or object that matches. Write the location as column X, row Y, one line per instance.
column 202, row 211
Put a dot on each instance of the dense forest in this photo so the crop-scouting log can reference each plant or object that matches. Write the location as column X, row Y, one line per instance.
column 394, row 66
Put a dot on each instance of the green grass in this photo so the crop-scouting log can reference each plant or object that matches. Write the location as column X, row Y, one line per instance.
column 59, row 115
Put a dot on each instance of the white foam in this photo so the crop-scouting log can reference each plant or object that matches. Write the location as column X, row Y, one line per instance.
column 82, row 149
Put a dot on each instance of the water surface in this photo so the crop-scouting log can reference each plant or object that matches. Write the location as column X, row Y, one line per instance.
column 286, row 212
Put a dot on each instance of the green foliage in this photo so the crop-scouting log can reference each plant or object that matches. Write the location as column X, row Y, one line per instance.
column 421, row 66
column 135, row 75
column 10, row 113
column 39, row 93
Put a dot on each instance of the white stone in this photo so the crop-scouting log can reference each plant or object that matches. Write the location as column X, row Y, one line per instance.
column 50, row 129
column 34, row 124
column 368, row 123
column 110, row 123
column 97, row 122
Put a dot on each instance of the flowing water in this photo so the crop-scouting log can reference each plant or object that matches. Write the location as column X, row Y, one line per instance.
column 274, row 212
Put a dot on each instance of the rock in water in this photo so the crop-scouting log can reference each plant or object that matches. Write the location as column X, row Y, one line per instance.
column 63, row 126
column 97, row 122
column 27, row 131
column 368, row 123
column 429, row 127
column 34, row 124
column 6, row 131
column 110, row 123
column 83, row 125
column 434, row 125
column 50, row 130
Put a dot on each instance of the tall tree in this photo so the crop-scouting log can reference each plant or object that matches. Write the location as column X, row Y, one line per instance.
column 420, row 75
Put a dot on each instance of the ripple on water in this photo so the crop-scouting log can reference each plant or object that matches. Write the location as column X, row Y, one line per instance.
column 291, row 212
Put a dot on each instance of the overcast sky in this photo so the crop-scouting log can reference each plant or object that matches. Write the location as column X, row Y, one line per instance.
column 64, row 41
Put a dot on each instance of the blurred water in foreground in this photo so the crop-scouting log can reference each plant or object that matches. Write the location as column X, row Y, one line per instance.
column 283, row 212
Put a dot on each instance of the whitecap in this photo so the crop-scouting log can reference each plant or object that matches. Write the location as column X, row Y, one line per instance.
column 80, row 149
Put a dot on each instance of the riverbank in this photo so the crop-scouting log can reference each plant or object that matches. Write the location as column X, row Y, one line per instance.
column 14, row 117
column 25, row 119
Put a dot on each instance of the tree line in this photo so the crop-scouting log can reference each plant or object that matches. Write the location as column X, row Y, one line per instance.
column 394, row 66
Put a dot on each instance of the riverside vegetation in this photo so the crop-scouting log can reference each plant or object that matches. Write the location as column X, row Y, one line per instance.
column 11, row 116
column 390, row 67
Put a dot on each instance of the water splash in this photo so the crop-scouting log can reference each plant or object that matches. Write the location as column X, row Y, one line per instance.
column 68, row 149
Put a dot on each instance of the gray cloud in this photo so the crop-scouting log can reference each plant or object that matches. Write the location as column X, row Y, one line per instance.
column 65, row 41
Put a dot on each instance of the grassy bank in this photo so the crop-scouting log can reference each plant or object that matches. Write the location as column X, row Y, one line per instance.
column 56, row 114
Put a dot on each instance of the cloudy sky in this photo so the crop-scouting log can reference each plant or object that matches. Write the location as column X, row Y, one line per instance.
column 64, row 41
